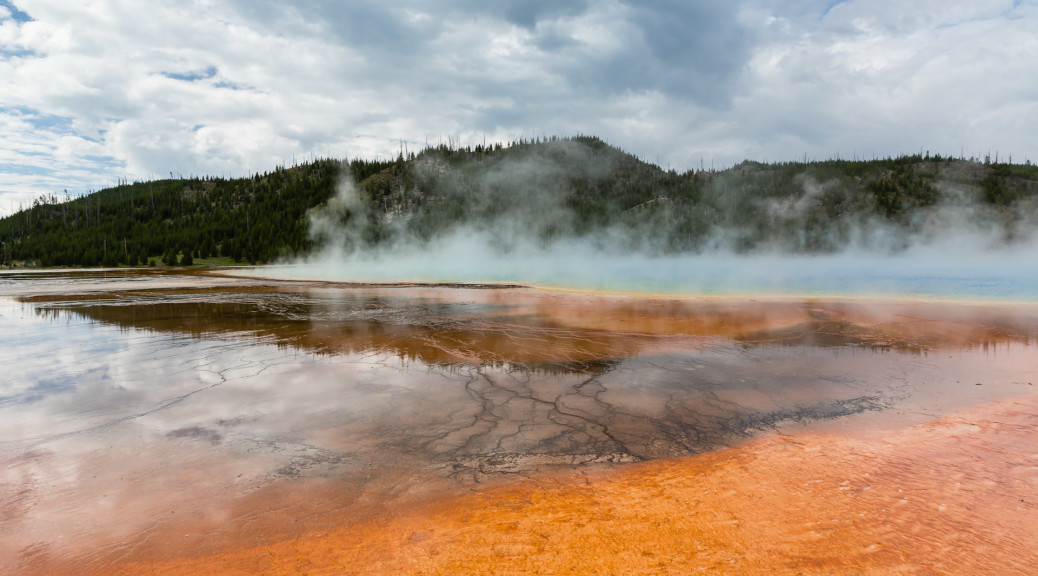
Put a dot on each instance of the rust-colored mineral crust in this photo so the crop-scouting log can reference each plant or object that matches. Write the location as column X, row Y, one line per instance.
column 957, row 496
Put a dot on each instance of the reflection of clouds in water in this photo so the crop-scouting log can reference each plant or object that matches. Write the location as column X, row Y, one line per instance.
column 136, row 388
column 37, row 392
column 154, row 377
column 151, row 419
column 51, row 362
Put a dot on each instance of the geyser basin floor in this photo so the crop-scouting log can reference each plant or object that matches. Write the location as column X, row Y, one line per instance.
column 955, row 496
column 173, row 424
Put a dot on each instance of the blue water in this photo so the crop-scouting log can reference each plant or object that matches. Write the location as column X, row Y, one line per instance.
column 997, row 276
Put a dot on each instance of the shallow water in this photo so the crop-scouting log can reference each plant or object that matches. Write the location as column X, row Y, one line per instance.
column 154, row 417
column 936, row 272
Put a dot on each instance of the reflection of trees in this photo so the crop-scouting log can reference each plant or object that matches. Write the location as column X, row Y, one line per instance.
column 907, row 328
column 435, row 334
column 557, row 336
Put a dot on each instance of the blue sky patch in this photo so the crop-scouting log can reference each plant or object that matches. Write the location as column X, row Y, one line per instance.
column 25, row 170
column 39, row 121
column 832, row 4
column 229, row 85
column 192, row 76
column 16, row 14
column 108, row 160
column 9, row 53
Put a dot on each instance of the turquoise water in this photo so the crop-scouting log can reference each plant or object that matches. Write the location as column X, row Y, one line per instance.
column 996, row 276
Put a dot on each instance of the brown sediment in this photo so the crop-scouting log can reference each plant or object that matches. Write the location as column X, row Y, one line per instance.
column 956, row 496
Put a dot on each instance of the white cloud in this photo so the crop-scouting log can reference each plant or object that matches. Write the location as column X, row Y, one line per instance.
column 110, row 89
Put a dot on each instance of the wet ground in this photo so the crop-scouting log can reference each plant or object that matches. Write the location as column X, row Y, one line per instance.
column 156, row 422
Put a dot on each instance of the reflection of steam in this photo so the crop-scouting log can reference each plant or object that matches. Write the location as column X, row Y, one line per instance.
column 527, row 219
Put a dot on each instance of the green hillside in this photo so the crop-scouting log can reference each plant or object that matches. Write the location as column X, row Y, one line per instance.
column 539, row 192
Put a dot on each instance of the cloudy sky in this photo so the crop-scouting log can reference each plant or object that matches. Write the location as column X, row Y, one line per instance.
column 92, row 91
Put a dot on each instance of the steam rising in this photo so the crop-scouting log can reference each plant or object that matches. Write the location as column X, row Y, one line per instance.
column 517, row 226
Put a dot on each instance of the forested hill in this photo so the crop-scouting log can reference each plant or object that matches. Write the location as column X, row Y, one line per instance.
column 536, row 192
column 249, row 219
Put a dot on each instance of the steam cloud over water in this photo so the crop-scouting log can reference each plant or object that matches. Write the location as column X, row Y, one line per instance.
column 549, row 217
